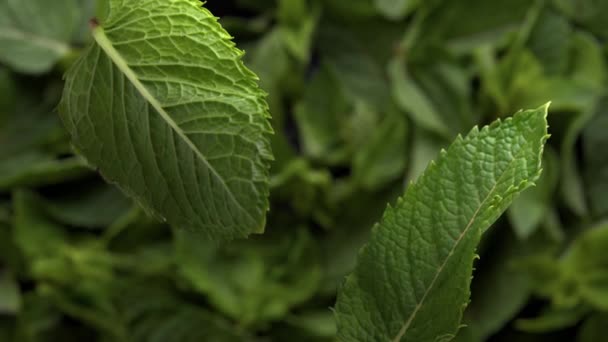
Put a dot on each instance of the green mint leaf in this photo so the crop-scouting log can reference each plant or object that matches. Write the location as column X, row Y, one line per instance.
column 36, row 34
column 412, row 280
column 162, row 104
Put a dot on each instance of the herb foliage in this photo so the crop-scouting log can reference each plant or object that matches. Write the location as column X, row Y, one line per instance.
column 158, row 100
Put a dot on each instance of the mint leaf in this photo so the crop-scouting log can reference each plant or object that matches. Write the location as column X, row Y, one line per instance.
column 35, row 35
column 412, row 280
column 162, row 104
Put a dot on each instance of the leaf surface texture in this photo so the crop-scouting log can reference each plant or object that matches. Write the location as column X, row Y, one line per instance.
column 412, row 280
column 162, row 104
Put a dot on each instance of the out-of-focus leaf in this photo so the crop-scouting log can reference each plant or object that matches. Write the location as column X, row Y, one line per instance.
column 7, row 94
column 29, row 126
column 35, row 35
column 35, row 235
column 145, row 309
column 362, row 9
column 466, row 24
column 90, row 205
column 589, row 67
column 10, row 298
column 447, row 86
column 395, row 9
column 320, row 324
column 319, row 117
column 578, row 278
column 411, row 98
column 530, row 209
column 298, row 23
column 252, row 282
column 358, row 73
column 593, row 328
column 89, row 304
column 425, row 147
column 303, row 189
column 595, row 142
column 155, row 314
column 553, row 319
column 36, row 169
column 272, row 80
column 39, row 322
column 585, row 263
column 591, row 14
column 499, row 290
column 550, row 41
column 382, row 157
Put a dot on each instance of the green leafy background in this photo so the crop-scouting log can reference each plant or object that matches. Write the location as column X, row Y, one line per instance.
column 363, row 95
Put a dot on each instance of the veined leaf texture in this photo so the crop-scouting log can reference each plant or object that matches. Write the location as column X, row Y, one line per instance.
column 412, row 279
column 163, row 106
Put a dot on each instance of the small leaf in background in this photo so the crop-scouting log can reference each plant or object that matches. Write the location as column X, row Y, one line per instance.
column 382, row 158
column 395, row 9
column 419, row 258
column 575, row 284
column 36, row 236
column 531, row 208
column 177, row 122
column 7, row 94
column 595, row 141
column 10, row 298
column 251, row 283
column 553, row 319
column 463, row 25
column 412, row 99
column 35, row 35
column 500, row 290
column 319, row 116
column 593, row 328
column 93, row 205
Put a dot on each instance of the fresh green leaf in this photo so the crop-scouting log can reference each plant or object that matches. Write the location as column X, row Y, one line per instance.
column 162, row 104
column 419, row 259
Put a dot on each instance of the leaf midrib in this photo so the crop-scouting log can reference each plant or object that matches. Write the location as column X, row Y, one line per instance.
column 412, row 316
column 106, row 45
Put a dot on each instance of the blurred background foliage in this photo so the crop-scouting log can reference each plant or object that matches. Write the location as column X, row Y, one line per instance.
column 363, row 95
